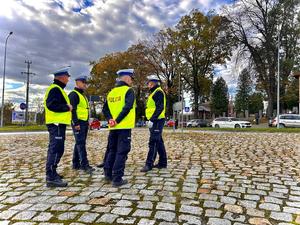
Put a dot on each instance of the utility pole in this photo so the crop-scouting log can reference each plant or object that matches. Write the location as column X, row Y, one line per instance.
column 27, row 89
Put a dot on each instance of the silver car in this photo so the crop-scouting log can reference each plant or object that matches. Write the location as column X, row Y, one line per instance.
column 287, row 120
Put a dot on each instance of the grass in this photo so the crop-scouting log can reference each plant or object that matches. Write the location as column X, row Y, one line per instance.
column 16, row 128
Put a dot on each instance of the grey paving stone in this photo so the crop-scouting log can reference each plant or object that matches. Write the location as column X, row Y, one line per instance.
column 25, row 215
column 190, row 219
column 247, row 204
column 234, row 217
column 291, row 210
column 212, row 204
column 121, row 211
column 123, row 203
column 142, row 213
column 165, row 206
column 107, row 218
column 80, row 207
column 146, row 222
column 228, row 200
column 145, row 205
column 7, row 214
column 273, row 200
column 43, row 217
column 60, row 207
column 287, row 217
column 213, row 213
column 126, row 221
column 255, row 212
column 191, row 209
column 88, row 217
column 67, row 216
column 165, row 215
column 217, row 221
column 269, row 206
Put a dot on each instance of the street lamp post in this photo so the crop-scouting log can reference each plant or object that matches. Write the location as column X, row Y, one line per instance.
column 3, row 86
column 278, row 78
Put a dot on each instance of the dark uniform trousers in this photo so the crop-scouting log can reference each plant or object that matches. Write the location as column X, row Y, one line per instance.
column 156, row 144
column 57, row 136
column 119, row 142
column 80, row 155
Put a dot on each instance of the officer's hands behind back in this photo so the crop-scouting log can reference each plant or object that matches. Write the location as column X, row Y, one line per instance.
column 112, row 123
column 150, row 124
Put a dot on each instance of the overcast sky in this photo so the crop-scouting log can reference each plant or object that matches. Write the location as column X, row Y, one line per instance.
column 57, row 33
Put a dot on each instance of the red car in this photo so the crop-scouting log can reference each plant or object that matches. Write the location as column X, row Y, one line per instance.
column 94, row 124
column 170, row 123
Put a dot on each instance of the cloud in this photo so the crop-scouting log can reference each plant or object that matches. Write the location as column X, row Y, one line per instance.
column 56, row 33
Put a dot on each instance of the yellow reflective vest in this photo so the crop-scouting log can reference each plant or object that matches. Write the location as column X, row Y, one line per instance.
column 57, row 117
column 116, row 102
column 82, row 107
column 151, row 107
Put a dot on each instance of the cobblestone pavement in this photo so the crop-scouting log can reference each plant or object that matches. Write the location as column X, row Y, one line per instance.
column 212, row 178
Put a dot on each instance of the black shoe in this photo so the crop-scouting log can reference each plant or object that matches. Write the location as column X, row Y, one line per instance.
column 88, row 169
column 56, row 183
column 119, row 183
column 146, row 169
column 107, row 179
column 75, row 167
column 159, row 166
column 59, row 176
column 101, row 165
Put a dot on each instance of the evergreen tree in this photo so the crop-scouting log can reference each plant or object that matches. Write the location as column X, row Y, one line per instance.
column 256, row 102
column 244, row 89
column 219, row 97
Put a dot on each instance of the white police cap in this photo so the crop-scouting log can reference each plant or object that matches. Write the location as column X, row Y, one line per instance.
column 125, row 72
column 62, row 72
column 153, row 78
column 81, row 78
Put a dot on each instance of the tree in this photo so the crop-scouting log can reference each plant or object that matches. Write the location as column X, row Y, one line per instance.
column 202, row 42
column 7, row 112
column 256, row 26
column 244, row 89
column 103, row 74
column 256, row 102
column 291, row 97
column 219, row 97
column 162, row 55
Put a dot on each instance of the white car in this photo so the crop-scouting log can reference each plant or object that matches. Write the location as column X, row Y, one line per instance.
column 287, row 120
column 230, row 122
column 190, row 123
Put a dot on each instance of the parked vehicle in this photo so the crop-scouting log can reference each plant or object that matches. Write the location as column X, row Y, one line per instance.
column 189, row 123
column 230, row 122
column 287, row 120
column 199, row 123
column 104, row 124
column 140, row 124
column 94, row 124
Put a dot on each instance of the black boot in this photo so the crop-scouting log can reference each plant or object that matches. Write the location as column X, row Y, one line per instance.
column 146, row 169
column 119, row 183
column 56, row 183
column 88, row 169
column 159, row 166
column 101, row 165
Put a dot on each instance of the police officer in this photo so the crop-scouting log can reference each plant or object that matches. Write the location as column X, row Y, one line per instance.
column 80, row 125
column 119, row 110
column 155, row 113
column 58, row 116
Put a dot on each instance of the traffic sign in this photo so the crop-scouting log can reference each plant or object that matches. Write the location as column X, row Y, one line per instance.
column 23, row 106
column 186, row 109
